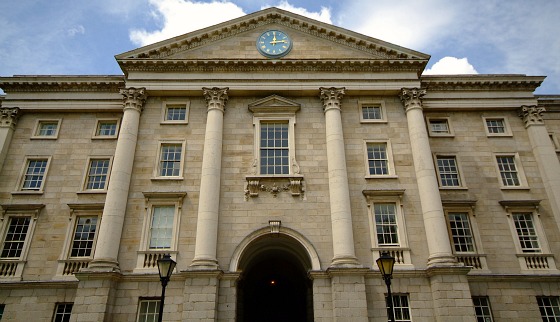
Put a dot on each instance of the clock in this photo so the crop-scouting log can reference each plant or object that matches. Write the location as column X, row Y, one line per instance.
column 274, row 44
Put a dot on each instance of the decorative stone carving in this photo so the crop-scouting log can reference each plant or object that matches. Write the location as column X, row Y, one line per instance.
column 216, row 98
column 274, row 226
column 9, row 116
column 412, row 98
column 331, row 97
column 133, row 98
column 272, row 185
column 532, row 115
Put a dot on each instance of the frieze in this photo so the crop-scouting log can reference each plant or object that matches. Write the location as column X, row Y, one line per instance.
column 22, row 86
column 528, row 85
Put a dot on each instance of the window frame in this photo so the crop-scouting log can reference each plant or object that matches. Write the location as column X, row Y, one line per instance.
column 27, row 159
column 257, row 124
column 390, row 160
column 173, row 103
column 460, row 177
column 484, row 315
column 157, row 167
column 408, row 308
column 85, row 179
column 431, row 133
column 37, row 128
column 373, row 103
column 555, row 141
column 519, row 170
column 66, row 262
column 65, row 315
column 148, row 299
column 541, row 307
column 97, row 136
column 507, row 128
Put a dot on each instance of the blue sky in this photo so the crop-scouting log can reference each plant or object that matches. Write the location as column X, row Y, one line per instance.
column 68, row 37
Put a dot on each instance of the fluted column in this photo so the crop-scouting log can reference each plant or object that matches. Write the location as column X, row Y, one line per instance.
column 545, row 154
column 430, row 200
column 110, row 230
column 341, row 214
column 209, row 199
column 8, row 121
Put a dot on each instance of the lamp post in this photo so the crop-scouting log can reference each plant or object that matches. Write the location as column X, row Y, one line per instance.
column 165, row 266
column 385, row 264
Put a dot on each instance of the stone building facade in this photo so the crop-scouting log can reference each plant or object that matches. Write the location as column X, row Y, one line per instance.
column 275, row 158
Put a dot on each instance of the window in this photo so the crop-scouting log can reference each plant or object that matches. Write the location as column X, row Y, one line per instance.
column 448, row 171
column 160, row 231
column 2, row 307
column 106, row 129
column 15, row 237
column 497, row 126
column 439, row 126
column 482, row 309
column 97, row 174
column 175, row 111
column 401, row 307
column 526, row 232
column 148, row 310
column 170, row 160
column 34, row 174
column 461, row 233
column 386, row 224
column 17, row 224
column 511, row 173
column 81, row 237
column 555, row 142
column 549, row 306
column 46, row 129
column 274, row 149
column 379, row 159
column 62, row 312
column 372, row 112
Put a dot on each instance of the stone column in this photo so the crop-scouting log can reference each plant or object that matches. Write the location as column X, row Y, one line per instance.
column 8, row 121
column 430, row 200
column 209, row 199
column 341, row 215
column 545, row 154
column 110, row 230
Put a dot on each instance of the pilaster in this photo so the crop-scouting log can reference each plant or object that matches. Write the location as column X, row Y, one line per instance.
column 209, row 205
column 110, row 230
column 95, row 297
column 8, row 120
column 451, row 294
column 430, row 199
column 201, row 295
column 348, row 289
column 341, row 215
column 545, row 155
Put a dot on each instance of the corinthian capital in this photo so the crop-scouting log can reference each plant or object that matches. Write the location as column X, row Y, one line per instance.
column 216, row 98
column 331, row 97
column 412, row 98
column 133, row 98
column 531, row 114
column 9, row 116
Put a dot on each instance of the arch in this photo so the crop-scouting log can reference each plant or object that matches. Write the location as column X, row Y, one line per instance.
column 302, row 248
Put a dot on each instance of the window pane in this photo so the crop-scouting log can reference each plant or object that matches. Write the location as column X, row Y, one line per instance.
column 508, row 170
column 84, row 236
column 170, row 160
column 34, row 174
column 439, row 126
column 274, row 149
column 461, row 234
column 148, row 310
column 15, row 237
column 62, row 312
column 371, row 112
column 549, row 307
column 97, row 174
column 448, row 172
column 482, row 309
column 47, row 128
column 377, row 158
column 161, row 229
column 495, row 126
column 401, row 308
column 386, row 224
column 108, row 128
column 526, row 232
column 176, row 113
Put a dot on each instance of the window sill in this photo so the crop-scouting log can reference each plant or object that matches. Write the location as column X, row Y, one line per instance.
column 506, row 135
column 92, row 192
column 167, row 178
column 515, row 188
column 274, row 184
column 108, row 137
column 389, row 176
column 44, row 137
column 29, row 192
column 174, row 123
column 443, row 135
column 373, row 121
column 453, row 188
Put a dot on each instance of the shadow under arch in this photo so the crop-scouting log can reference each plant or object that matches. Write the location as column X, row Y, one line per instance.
column 274, row 284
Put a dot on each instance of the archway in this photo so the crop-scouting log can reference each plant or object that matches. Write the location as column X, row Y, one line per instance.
column 274, row 285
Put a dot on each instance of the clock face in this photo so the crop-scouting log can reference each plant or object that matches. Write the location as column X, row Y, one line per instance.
column 274, row 44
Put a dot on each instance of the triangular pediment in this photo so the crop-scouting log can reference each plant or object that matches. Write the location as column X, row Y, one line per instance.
column 235, row 40
column 274, row 103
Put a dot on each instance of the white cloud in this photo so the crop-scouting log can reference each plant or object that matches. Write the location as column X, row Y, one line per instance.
column 76, row 30
column 324, row 15
column 180, row 16
column 451, row 66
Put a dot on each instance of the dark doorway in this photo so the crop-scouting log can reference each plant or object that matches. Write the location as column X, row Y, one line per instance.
column 275, row 287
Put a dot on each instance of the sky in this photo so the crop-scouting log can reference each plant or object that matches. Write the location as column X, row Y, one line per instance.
column 81, row 37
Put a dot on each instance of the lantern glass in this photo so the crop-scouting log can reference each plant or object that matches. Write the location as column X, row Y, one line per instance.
column 386, row 263
column 166, row 265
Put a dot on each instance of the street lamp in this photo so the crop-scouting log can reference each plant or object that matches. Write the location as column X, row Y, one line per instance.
column 165, row 266
column 385, row 264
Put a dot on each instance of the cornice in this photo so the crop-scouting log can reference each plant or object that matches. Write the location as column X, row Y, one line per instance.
column 269, row 16
column 481, row 82
column 284, row 65
column 62, row 84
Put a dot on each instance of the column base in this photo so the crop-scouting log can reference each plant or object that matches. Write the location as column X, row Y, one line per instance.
column 443, row 261
column 345, row 262
column 204, row 264
column 102, row 265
